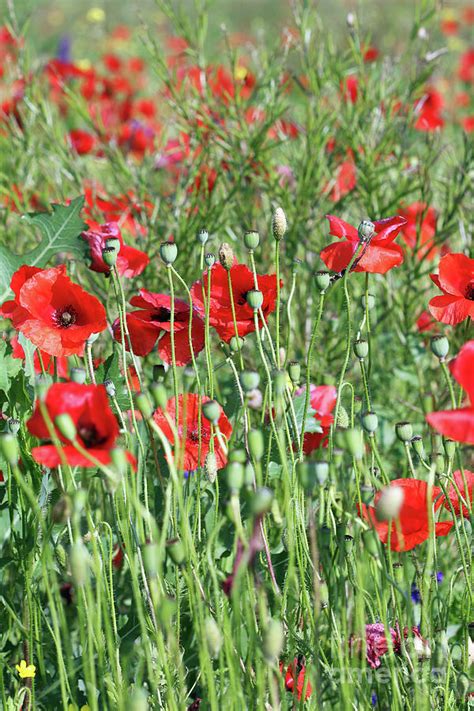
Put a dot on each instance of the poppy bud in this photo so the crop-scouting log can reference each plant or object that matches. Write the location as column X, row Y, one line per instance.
column 437, row 462
column 449, row 448
column 361, row 349
column 369, row 302
column 211, row 411
column 119, row 460
column 138, row 701
column 279, row 224
column 254, row 399
column 110, row 387
column 343, row 418
column 261, row 501
column 78, row 375
column 365, row 230
column 62, row 510
column 337, row 456
column 354, row 443
column 13, row 425
column 168, row 252
column 294, row 371
column 159, row 395
column 254, row 299
column 256, row 444
column 210, row 260
column 236, row 343
column 404, row 431
column 226, row 256
column 79, row 562
column 251, row 240
column 144, row 405
column 175, row 550
column 279, row 381
column 417, row 444
column 389, row 503
column 151, row 557
column 202, row 236
column 210, row 466
column 322, row 280
column 189, row 376
column 249, row 380
column 249, row 475
column 66, row 426
column 370, row 422
column 235, row 476
column 440, row 347
column 214, row 637
column 273, row 640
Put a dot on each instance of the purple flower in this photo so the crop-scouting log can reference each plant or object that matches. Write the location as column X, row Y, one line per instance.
column 439, row 577
column 415, row 594
column 64, row 49
column 373, row 698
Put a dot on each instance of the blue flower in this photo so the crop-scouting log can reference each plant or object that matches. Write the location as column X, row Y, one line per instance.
column 373, row 699
column 415, row 594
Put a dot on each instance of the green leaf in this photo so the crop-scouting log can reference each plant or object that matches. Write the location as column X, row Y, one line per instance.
column 311, row 424
column 110, row 370
column 9, row 367
column 60, row 230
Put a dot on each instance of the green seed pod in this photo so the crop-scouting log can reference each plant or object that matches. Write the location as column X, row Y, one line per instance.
column 354, row 442
column 254, row 299
column 417, row 444
column 236, row 343
column 138, row 701
column 279, row 224
column 118, row 457
column 279, row 381
column 144, row 405
column 249, row 380
column 226, row 256
column 151, row 558
column 168, row 252
column 366, row 230
column 449, row 448
column 210, row 466
column 249, row 475
column 78, row 375
column 159, row 395
column 261, row 501
column 235, row 475
column 273, row 640
column 176, row 551
column 369, row 302
column 110, row 387
column 202, row 236
column 256, row 444
column 404, row 431
column 214, row 638
column 437, row 461
column 79, row 562
column 399, row 573
column 370, row 422
column 343, row 420
column 294, row 371
column 62, row 509
column 13, row 425
column 389, row 504
column 361, row 349
column 109, row 256
column 440, row 347
column 322, row 280
column 321, row 470
column 211, row 410
column 210, row 260
column 251, row 240
column 66, row 426
column 338, row 456
column 42, row 385
column 238, row 454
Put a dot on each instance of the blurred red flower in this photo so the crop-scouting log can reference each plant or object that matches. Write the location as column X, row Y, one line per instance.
column 83, row 142
column 295, row 679
column 465, row 485
column 130, row 261
column 322, row 400
column 455, row 278
column 466, row 66
column 420, row 229
column 459, row 424
column 378, row 256
column 194, row 432
column 57, row 315
column 428, row 111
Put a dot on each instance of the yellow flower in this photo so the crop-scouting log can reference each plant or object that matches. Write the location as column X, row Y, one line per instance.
column 26, row 671
column 84, row 64
column 240, row 73
column 95, row 14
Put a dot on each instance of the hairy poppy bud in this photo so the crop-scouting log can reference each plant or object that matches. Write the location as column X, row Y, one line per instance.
column 210, row 260
column 279, row 224
column 66, row 426
column 389, row 503
column 368, row 302
column 144, row 405
column 110, row 387
column 214, row 637
column 273, row 640
column 417, row 444
column 236, row 343
column 159, row 395
column 79, row 562
column 168, row 252
column 211, row 411
column 251, row 240
column 261, row 501
column 151, row 557
column 249, row 380
column 78, row 375
column 13, row 425
column 226, row 256
column 365, row 230
column 440, row 347
column 343, row 418
column 256, row 444
column 361, row 349
column 235, row 475
column 370, row 422
column 202, row 236
column 322, row 280
column 254, row 299
column 404, row 431
column 210, row 466
column 294, row 371
column 175, row 550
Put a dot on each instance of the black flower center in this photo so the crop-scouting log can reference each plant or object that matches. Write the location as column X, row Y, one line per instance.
column 65, row 316
column 161, row 315
column 470, row 291
column 242, row 300
column 89, row 435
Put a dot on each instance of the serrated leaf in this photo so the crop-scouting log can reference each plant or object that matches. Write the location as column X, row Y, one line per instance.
column 9, row 367
column 311, row 424
column 60, row 230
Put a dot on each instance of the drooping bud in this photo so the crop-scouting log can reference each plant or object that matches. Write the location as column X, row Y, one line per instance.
column 66, row 426
column 144, row 405
column 354, row 443
column 256, row 445
column 159, row 395
column 249, row 380
column 211, row 411
column 366, row 230
column 251, row 240
column 254, row 299
column 202, row 236
column 226, row 256
column 370, row 422
column 279, row 224
column 78, row 375
column 343, row 420
column 214, row 639
column 79, row 561
column 294, row 371
column 210, row 260
column 361, row 349
column 261, row 501
column 322, row 281
column 273, row 640
column 440, row 347
column 404, row 431
column 168, row 252
column 210, row 466
column 389, row 504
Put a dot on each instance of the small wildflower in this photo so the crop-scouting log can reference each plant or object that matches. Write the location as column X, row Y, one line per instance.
column 26, row 671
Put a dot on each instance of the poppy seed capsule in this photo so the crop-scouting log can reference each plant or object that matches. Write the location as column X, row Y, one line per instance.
column 294, row 371
column 249, row 475
column 9, row 448
column 168, row 252
column 370, row 422
column 254, row 299
column 249, row 380
column 279, row 224
column 109, row 256
column 389, row 503
column 226, row 256
column 361, row 349
column 238, row 455
column 273, row 640
column 417, row 444
column 322, row 280
column 449, row 448
column 261, row 501
column 214, row 637
column 13, row 425
column 210, row 467
column 210, row 260
column 66, row 426
column 365, row 230
column 78, row 375
column 256, row 445
column 439, row 347
column 202, row 236
column 279, row 381
column 354, row 443
column 404, row 431
column 144, row 405
column 437, row 462
column 251, row 240
column 159, row 395
column 211, row 411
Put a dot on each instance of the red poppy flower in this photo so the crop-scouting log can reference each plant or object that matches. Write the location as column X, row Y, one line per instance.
column 466, row 67
column 350, row 88
column 154, row 320
column 425, row 322
column 191, row 428
column 96, row 425
column 466, row 490
column 468, row 124
column 370, row 54
column 455, row 278
column 428, row 111
column 57, row 315
column 322, row 400
column 295, row 672
column 46, row 359
column 413, row 517
column 459, row 424
column 379, row 255
column 420, row 229
column 242, row 280
column 83, row 142
column 449, row 26
column 130, row 261
column 123, row 209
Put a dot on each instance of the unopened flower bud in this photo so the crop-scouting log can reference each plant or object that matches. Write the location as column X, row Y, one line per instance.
column 365, row 230
column 249, row 380
column 354, row 443
column 78, row 375
column 389, row 503
column 159, row 395
column 368, row 302
column 210, row 466
column 13, row 425
column 440, row 347
column 214, row 639
column 235, row 475
column 202, row 236
column 151, row 558
column 256, row 445
column 210, row 260
column 294, row 371
column 226, row 256
column 65, row 426
column 118, row 458
column 273, row 640
column 175, row 550
column 79, row 562
column 168, row 252
column 110, row 387
column 322, row 280
column 261, row 501
column 144, row 405
column 279, row 381
column 404, row 431
column 279, row 224
column 251, row 240
column 249, row 475
column 361, row 349
column 417, row 444
column 370, row 422
column 254, row 299
column 211, row 411
column 343, row 420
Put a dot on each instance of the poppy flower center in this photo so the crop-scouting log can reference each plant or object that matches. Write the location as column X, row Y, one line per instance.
column 65, row 316
column 193, row 435
column 470, row 291
column 89, row 435
column 161, row 315
column 242, row 300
